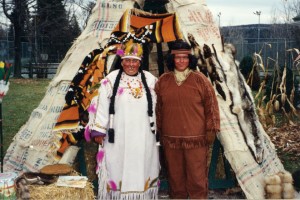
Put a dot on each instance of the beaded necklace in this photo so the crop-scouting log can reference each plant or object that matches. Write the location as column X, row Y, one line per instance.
column 136, row 92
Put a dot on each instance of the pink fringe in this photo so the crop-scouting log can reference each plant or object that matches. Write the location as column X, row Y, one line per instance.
column 113, row 185
column 92, row 108
column 120, row 91
column 100, row 156
column 87, row 134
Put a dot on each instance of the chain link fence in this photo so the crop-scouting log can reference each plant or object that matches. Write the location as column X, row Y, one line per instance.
column 28, row 50
column 34, row 64
column 271, row 50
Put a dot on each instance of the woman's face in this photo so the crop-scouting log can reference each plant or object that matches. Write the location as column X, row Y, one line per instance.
column 131, row 66
column 181, row 61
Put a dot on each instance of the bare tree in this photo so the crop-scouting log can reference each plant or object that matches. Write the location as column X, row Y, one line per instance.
column 82, row 9
column 294, row 7
column 17, row 12
column 282, row 20
column 286, row 11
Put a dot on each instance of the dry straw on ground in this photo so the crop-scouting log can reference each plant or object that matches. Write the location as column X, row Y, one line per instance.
column 60, row 193
column 54, row 192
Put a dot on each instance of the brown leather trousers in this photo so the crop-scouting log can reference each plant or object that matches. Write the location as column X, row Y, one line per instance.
column 187, row 172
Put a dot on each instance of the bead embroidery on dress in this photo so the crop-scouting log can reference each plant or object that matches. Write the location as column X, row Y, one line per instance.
column 135, row 86
column 137, row 92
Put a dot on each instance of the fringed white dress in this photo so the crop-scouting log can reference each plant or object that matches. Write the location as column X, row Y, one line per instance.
column 129, row 167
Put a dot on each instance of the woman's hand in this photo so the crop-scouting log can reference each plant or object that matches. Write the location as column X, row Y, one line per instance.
column 99, row 139
column 97, row 136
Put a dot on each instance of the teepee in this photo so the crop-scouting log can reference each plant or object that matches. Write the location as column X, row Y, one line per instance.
column 47, row 136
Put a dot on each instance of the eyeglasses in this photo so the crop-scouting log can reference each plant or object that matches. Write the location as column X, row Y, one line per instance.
column 179, row 58
column 133, row 61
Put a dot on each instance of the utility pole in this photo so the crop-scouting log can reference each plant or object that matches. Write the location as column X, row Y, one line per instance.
column 258, row 13
column 219, row 15
column 35, row 39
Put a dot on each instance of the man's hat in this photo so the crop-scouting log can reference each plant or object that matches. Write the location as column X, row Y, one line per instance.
column 180, row 47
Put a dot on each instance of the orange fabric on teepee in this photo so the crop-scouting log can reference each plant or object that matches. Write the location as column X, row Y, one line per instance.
column 134, row 24
column 165, row 27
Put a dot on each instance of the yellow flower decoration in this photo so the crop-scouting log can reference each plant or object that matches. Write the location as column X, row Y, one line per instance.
column 2, row 64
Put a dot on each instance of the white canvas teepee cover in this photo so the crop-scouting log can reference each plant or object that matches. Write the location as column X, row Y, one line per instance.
column 35, row 143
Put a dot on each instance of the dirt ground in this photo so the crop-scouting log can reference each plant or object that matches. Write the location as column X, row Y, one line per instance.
column 287, row 140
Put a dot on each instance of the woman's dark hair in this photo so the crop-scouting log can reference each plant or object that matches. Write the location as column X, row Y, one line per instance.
column 113, row 97
column 111, row 131
column 116, row 63
column 115, row 89
column 148, row 94
column 176, row 45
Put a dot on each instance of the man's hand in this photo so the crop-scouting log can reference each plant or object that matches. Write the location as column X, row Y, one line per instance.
column 211, row 136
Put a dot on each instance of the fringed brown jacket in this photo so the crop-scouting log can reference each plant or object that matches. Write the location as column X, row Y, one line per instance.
column 186, row 112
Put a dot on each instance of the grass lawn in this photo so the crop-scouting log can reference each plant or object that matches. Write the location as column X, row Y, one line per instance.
column 23, row 96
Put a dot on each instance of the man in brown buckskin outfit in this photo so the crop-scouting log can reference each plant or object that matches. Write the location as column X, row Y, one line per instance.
column 188, row 120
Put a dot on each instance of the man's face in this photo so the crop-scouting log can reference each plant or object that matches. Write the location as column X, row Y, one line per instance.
column 181, row 61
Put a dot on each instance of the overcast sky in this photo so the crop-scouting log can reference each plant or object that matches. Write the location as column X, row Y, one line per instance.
column 237, row 12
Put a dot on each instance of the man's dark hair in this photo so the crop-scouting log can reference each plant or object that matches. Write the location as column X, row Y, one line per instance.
column 176, row 45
